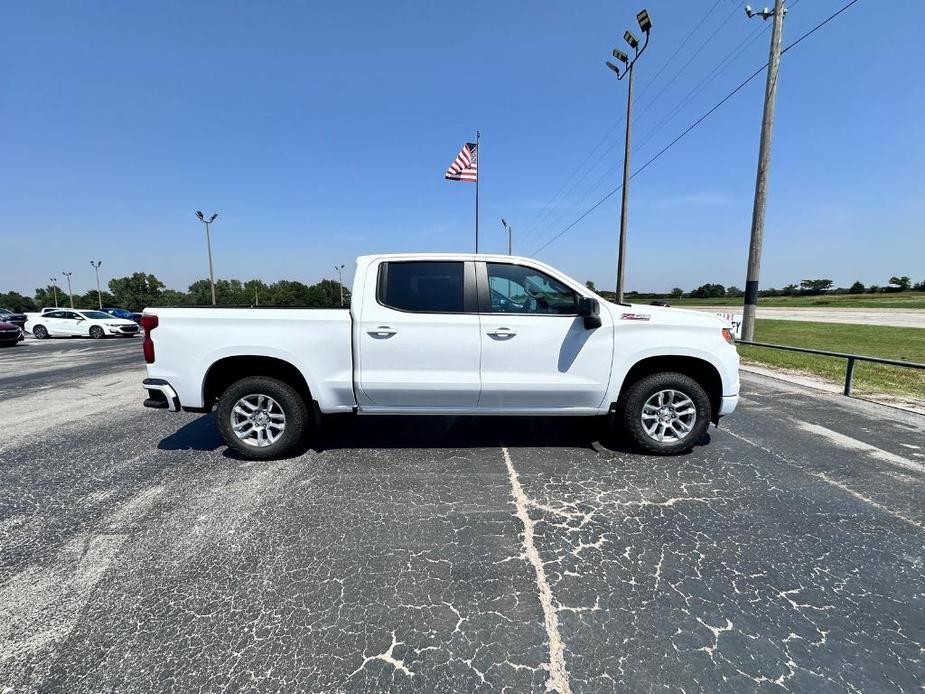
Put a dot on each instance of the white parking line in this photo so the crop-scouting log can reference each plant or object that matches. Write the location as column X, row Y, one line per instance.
column 558, row 680
column 852, row 444
column 835, row 483
column 856, row 495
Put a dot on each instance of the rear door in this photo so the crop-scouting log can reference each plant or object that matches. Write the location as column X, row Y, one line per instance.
column 417, row 336
column 537, row 353
column 54, row 322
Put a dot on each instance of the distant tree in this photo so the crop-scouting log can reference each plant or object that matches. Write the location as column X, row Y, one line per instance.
column 136, row 291
column 172, row 297
column 902, row 283
column 590, row 285
column 919, row 286
column 856, row 288
column 873, row 289
column 789, row 290
column 815, row 286
column 708, row 291
column 677, row 293
column 734, row 291
column 289, row 293
column 89, row 299
column 45, row 296
column 14, row 301
column 257, row 292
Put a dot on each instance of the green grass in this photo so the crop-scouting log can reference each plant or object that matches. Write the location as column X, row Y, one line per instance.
column 893, row 300
column 870, row 340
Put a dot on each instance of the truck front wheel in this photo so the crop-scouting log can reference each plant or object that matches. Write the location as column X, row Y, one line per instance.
column 262, row 418
column 665, row 413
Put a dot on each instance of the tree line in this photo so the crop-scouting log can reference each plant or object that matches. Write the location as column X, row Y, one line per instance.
column 138, row 290
column 810, row 287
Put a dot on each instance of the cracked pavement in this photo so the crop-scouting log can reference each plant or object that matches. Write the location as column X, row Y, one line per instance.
column 441, row 554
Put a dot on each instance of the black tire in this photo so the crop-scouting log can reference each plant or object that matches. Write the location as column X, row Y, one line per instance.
column 97, row 333
column 39, row 332
column 636, row 397
column 288, row 400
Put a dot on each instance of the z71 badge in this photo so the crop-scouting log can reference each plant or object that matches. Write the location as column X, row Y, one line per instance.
column 635, row 316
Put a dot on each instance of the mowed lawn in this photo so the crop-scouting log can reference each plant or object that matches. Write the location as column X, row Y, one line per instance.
column 871, row 340
column 890, row 300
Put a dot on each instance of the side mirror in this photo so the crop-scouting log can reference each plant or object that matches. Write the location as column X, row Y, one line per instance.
column 590, row 309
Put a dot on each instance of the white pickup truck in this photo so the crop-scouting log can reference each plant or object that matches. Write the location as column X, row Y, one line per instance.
column 445, row 334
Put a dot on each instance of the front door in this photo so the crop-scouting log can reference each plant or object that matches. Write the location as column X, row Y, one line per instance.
column 73, row 323
column 417, row 337
column 537, row 353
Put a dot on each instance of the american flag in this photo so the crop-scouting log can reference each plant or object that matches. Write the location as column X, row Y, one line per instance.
column 466, row 165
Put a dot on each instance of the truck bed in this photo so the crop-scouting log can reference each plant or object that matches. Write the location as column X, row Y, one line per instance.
column 189, row 341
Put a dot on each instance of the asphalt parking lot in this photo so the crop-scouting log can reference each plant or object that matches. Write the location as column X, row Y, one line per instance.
column 451, row 555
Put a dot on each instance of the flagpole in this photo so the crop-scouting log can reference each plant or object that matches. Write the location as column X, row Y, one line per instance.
column 478, row 156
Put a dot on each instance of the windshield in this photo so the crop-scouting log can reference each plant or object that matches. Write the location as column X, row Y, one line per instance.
column 95, row 315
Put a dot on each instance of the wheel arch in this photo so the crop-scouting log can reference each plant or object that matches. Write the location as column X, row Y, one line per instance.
column 228, row 370
column 702, row 371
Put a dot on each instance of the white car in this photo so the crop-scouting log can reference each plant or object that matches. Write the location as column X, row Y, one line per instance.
column 441, row 334
column 69, row 322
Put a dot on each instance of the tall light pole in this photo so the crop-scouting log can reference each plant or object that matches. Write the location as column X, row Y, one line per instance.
column 207, row 222
column 70, row 294
column 340, row 281
column 645, row 24
column 99, row 296
column 54, row 289
column 510, row 231
column 764, row 165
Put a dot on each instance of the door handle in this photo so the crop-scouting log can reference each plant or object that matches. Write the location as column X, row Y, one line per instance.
column 382, row 331
column 502, row 332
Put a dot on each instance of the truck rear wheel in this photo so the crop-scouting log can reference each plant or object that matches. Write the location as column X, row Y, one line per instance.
column 262, row 418
column 665, row 413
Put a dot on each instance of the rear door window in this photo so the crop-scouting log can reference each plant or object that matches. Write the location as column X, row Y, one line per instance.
column 422, row 286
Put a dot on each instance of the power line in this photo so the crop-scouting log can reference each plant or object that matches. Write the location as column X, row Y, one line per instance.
column 529, row 227
column 691, row 127
column 551, row 217
column 696, row 91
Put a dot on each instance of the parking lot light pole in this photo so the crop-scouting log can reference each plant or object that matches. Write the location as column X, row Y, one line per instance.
column 510, row 232
column 340, row 282
column 69, row 292
column 207, row 222
column 645, row 24
column 99, row 295
column 54, row 289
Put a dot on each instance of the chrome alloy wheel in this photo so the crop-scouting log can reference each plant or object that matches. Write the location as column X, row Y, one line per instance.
column 258, row 420
column 668, row 416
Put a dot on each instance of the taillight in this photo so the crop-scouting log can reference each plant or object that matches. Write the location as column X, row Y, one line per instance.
column 149, row 323
column 727, row 335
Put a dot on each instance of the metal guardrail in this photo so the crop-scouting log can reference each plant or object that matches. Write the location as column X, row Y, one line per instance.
column 849, row 371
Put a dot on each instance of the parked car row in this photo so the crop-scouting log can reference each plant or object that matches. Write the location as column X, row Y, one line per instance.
column 11, row 327
column 69, row 322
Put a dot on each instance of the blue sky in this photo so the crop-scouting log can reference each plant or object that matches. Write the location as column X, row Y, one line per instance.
column 321, row 131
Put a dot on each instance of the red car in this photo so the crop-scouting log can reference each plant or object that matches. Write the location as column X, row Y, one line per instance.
column 9, row 334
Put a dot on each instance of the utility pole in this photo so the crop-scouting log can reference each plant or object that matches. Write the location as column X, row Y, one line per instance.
column 207, row 222
column 764, row 165
column 99, row 296
column 510, row 232
column 69, row 292
column 340, row 282
column 54, row 289
column 645, row 24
